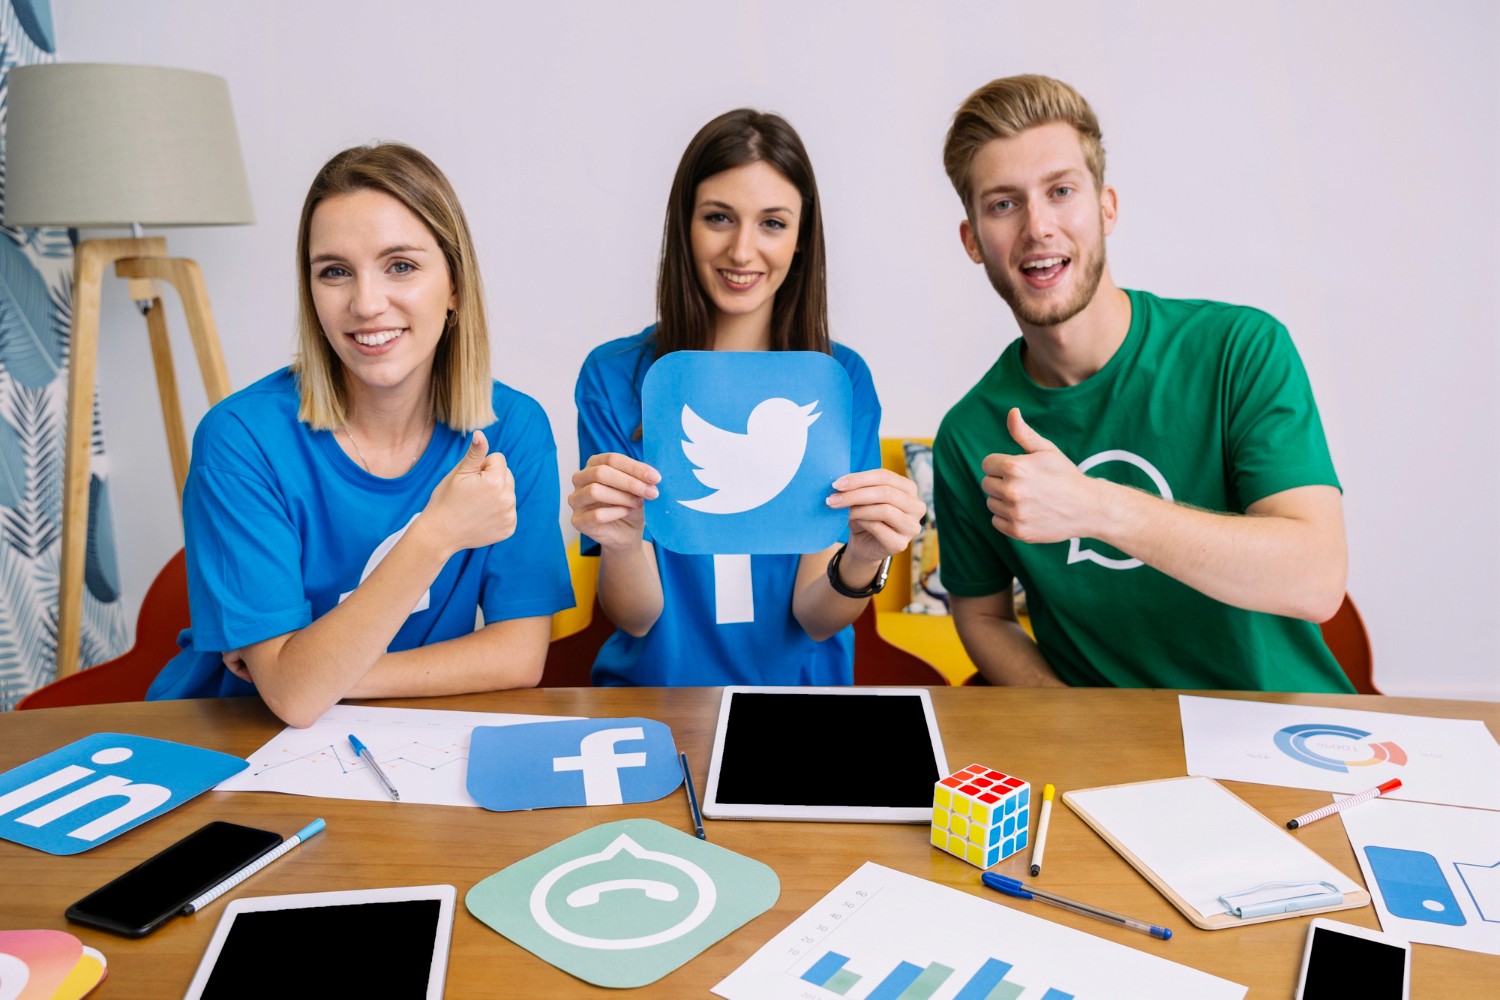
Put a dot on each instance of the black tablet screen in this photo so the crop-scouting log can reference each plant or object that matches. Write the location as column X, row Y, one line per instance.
column 827, row 750
column 380, row 949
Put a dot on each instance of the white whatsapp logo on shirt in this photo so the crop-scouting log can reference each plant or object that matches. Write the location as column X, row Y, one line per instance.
column 1076, row 550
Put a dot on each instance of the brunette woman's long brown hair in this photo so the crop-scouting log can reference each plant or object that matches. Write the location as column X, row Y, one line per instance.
column 685, row 314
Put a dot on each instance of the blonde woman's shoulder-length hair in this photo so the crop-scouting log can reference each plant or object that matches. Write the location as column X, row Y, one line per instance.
column 461, row 388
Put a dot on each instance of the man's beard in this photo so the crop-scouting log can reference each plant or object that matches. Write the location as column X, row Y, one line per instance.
column 1051, row 313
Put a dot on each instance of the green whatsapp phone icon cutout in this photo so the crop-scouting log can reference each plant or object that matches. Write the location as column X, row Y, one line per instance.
column 625, row 903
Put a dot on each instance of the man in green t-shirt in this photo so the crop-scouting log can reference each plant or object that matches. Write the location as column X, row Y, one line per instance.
column 1152, row 471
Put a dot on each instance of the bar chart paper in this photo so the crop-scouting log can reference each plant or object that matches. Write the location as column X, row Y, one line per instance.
column 885, row 935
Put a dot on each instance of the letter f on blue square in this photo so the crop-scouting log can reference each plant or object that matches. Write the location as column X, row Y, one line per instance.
column 748, row 445
column 572, row 762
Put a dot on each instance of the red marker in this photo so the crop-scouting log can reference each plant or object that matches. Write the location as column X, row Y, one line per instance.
column 1341, row 804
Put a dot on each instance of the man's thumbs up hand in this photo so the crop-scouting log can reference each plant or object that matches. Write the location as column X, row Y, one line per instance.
column 1039, row 496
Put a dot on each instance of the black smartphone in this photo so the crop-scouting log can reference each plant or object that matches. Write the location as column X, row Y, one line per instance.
column 146, row 896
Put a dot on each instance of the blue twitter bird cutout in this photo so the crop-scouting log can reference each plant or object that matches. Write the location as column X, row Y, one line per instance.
column 748, row 445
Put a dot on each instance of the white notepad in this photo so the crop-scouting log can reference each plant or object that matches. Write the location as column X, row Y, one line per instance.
column 1195, row 841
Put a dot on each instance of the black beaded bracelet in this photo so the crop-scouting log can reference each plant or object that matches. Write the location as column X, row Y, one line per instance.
column 876, row 585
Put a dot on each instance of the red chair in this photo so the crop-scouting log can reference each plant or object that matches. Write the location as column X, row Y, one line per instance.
column 570, row 659
column 882, row 663
column 164, row 614
column 1347, row 640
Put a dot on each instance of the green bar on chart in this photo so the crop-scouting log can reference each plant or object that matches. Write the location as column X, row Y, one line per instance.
column 841, row 982
column 927, row 983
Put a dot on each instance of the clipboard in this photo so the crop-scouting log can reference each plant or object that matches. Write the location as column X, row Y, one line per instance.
column 1216, row 858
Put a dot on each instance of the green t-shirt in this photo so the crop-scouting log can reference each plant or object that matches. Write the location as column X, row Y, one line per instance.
column 1204, row 403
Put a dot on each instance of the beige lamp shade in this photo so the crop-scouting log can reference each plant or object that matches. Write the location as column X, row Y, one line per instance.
column 93, row 145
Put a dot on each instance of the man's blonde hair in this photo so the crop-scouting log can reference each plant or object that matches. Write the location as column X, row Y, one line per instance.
column 1006, row 107
column 461, row 393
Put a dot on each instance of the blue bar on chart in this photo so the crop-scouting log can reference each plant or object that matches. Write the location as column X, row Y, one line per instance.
column 989, row 984
column 829, row 973
column 982, row 983
column 823, row 969
column 902, row 976
column 911, row 982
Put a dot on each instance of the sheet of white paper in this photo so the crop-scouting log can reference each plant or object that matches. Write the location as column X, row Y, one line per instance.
column 424, row 752
column 1438, row 881
column 880, row 926
column 1203, row 840
column 1452, row 761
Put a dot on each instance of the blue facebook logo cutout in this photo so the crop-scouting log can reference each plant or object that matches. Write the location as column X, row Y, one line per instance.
column 575, row 762
column 97, row 788
column 748, row 445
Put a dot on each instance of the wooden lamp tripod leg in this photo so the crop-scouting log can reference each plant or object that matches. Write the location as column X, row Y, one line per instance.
column 138, row 259
column 89, row 261
column 185, row 276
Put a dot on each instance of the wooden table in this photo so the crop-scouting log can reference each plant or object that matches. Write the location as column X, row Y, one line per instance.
column 1072, row 738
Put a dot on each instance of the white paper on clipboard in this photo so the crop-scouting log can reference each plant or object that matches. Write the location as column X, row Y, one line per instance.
column 1195, row 841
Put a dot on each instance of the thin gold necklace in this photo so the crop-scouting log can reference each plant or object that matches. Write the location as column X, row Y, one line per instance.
column 361, row 455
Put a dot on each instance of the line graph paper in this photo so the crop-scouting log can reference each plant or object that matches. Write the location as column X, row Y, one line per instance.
column 425, row 753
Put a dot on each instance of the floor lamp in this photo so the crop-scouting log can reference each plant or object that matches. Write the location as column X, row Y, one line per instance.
column 89, row 146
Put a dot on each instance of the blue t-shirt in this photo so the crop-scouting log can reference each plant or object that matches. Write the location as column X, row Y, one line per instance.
column 685, row 646
column 281, row 525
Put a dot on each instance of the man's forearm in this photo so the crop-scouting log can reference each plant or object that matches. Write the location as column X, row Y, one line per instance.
column 1285, row 556
column 999, row 647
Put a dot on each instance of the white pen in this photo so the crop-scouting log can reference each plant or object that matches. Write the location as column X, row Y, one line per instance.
column 306, row 833
column 1040, row 845
column 1344, row 803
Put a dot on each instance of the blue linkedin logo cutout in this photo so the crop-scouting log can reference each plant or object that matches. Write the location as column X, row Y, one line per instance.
column 97, row 788
column 748, row 445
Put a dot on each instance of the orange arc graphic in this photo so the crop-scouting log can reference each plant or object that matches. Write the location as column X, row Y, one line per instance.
column 1381, row 753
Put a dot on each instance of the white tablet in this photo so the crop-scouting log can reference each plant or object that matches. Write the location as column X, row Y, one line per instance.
column 845, row 754
column 1342, row 960
column 361, row 943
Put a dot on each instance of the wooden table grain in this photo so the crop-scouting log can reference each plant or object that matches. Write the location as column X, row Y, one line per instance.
column 1072, row 738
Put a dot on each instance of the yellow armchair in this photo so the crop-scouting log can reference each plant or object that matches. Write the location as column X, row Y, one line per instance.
column 585, row 573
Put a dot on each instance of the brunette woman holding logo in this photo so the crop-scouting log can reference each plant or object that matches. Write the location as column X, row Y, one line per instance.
column 742, row 269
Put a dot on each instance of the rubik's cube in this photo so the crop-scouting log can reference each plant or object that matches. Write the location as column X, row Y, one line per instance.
column 981, row 815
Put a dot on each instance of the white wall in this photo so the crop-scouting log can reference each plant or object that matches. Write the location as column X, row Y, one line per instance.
column 1333, row 163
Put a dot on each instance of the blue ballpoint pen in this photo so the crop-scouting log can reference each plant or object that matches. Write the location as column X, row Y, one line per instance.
column 364, row 751
column 301, row 836
column 1014, row 887
column 692, row 794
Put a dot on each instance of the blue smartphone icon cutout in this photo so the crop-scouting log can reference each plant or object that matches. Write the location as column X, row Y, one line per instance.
column 1413, row 885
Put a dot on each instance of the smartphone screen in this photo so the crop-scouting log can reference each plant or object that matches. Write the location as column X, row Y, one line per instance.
column 147, row 895
column 1340, row 965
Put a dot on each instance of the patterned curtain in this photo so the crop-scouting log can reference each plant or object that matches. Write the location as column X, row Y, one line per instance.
column 36, row 279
